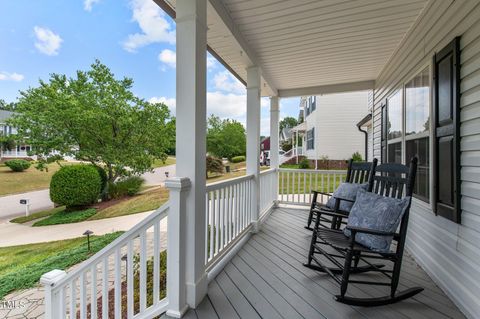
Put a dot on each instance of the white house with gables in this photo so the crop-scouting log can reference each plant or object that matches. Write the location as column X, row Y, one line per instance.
column 330, row 130
column 421, row 58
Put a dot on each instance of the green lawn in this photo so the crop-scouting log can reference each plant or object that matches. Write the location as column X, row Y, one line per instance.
column 33, row 179
column 66, row 217
column 29, row 180
column 300, row 182
column 22, row 266
column 169, row 161
column 41, row 214
column 149, row 200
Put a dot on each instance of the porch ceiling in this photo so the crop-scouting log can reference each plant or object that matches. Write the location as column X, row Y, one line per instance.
column 308, row 43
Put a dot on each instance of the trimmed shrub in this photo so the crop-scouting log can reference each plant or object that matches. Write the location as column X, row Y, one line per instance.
column 18, row 165
column 129, row 186
column 357, row 157
column 75, row 185
column 304, row 164
column 238, row 159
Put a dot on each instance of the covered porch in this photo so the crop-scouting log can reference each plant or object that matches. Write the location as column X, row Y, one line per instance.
column 266, row 279
column 234, row 249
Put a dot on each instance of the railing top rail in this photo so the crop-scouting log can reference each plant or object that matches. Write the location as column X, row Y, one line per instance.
column 228, row 182
column 323, row 171
column 160, row 213
column 268, row 171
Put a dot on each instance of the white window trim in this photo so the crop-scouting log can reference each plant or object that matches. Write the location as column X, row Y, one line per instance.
column 404, row 138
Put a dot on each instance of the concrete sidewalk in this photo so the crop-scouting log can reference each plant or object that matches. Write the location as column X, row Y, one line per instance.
column 20, row 234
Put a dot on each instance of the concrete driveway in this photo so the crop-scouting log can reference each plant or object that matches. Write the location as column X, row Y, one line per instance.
column 157, row 177
column 10, row 206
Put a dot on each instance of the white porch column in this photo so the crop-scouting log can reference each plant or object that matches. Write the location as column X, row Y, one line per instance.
column 274, row 133
column 253, row 137
column 191, row 115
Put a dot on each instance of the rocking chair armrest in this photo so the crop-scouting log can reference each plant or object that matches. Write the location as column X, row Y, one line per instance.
column 338, row 198
column 329, row 213
column 355, row 230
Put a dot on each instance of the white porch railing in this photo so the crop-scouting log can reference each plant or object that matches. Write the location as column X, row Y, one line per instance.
column 268, row 190
column 14, row 154
column 128, row 273
column 228, row 214
column 296, row 185
column 295, row 151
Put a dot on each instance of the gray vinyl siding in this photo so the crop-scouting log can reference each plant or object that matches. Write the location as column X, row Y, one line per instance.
column 449, row 252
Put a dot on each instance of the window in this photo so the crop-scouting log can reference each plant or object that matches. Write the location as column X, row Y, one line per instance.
column 311, row 139
column 417, row 127
column 311, row 105
column 446, row 128
column 394, row 128
column 406, row 129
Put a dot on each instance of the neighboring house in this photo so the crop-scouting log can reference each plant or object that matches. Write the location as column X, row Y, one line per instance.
column 20, row 150
column 285, row 135
column 265, row 151
column 330, row 131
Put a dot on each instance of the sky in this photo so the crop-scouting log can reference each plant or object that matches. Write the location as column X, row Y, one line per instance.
column 134, row 38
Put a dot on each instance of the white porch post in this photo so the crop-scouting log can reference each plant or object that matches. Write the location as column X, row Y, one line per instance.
column 191, row 20
column 274, row 126
column 176, row 289
column 253, row 138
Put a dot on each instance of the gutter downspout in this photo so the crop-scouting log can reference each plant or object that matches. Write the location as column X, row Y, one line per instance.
column 366, row 141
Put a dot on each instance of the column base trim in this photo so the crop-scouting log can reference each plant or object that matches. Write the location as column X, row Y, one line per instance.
column 197, row 291
column 177, row 313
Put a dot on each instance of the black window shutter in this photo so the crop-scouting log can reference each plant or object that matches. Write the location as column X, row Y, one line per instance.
column 446, row 136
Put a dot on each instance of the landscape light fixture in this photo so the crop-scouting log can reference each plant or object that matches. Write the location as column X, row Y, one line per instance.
column 88, row 233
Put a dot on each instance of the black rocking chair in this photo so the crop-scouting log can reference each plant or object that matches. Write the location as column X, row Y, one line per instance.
column 358, row 173
column 391, row 180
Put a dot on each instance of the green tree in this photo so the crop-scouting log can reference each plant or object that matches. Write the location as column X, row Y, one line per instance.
column 7, row 106
column 288, row 122
column 96, row 118
column 225, row 138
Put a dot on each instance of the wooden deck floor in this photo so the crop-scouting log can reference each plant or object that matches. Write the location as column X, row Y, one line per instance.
column 266, row 279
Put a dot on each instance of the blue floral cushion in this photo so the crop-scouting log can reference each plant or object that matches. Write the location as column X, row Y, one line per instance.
column 376, row 212
column 348, row 191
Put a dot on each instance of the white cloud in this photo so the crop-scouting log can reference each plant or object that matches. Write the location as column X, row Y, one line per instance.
column 88, row 4
column 153, row 24
column 170, row 102
column 233, row 106
column 229, row 105
column 47, row 41
column 16, row 77
column 168, row 57
column 226, row 82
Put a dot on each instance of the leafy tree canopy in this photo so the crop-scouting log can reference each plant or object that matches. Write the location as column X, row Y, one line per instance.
column 7, row 106
column 288, row 122
column 225, row 138
column 95, row 117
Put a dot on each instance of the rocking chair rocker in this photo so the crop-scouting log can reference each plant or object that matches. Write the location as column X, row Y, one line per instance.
column 357, row 173
column 390, row 181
